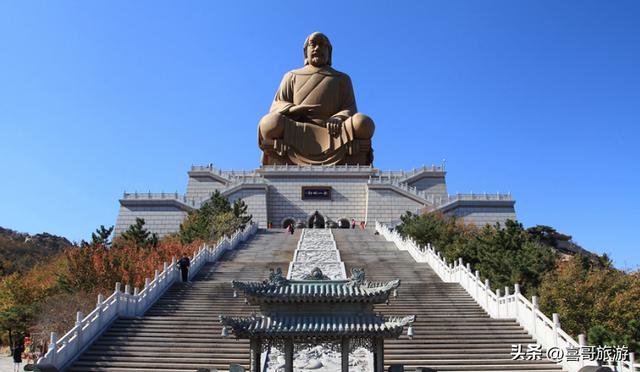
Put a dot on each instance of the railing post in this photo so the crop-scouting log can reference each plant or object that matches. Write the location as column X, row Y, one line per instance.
column 99, row 305
column 136, row 301
column 506, row 301
column 582, row 341
column 53, row 347
column 165, row 272
column 127, row 295
column 118, row 297
column 78, row 331
column 516, row 301
column 467, row 275
column 486, row 295
column 556, row 325
column 173, row 267
column 498, row 303
column 632, row 365
column 477, row 285
column 534, row 316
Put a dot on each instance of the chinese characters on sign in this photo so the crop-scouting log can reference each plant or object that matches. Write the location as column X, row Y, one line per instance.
column 572, row 354
column 316, row 192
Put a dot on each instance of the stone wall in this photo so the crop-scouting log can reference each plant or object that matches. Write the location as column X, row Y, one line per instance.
column 348, row 199
column 481, row 215
column 200, row 187
column 387, row 205
column 162, row 220
column 256, row 200
column 432, row 185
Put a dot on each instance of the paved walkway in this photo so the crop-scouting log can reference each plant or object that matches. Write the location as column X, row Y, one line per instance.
column 6, row 363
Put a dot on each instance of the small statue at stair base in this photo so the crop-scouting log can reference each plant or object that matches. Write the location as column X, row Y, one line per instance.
column 316, row 274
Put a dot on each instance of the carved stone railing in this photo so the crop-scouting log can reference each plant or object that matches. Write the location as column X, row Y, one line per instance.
column 316, row 168
column 514, row 305
column 64, row 350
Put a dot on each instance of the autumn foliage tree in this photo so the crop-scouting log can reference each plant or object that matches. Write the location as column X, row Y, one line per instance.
column 601, row 302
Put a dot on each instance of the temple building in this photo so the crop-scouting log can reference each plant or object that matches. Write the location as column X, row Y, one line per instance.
column 316, row 310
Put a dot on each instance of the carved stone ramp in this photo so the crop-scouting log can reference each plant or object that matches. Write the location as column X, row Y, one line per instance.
column 452, row 332
column 181, row 332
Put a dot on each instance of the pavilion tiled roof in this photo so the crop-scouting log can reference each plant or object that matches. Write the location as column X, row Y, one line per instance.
column 319, row 326
column 301, row 291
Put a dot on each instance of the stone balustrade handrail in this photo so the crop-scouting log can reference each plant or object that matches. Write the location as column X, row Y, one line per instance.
column 64, row 350
column 546, row 331
column 316, row 168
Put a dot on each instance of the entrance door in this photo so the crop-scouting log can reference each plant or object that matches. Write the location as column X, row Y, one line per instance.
column 316, row 221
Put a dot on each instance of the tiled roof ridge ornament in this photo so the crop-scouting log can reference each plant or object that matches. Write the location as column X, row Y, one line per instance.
column 357, row 276
column 316, row 274
column 276, row 278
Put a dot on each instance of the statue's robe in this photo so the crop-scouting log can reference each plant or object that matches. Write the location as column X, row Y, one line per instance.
column 306, row 140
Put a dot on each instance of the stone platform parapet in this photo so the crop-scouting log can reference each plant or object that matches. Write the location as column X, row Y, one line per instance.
column 274, row 196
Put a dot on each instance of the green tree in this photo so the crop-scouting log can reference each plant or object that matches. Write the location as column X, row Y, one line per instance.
column 140, row 235
column 214, row 219
column 240, row 211
column 102, row 236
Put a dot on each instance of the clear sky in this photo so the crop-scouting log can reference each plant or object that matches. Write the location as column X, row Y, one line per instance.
column 537, row 98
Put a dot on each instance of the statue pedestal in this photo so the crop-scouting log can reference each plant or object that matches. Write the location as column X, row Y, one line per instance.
column 284, row 194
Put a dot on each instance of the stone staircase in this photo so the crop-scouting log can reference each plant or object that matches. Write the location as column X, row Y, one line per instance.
column 181, row 331
column 452, row 332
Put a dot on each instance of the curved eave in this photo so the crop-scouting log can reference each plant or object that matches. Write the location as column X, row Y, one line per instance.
column 302, row 291
column 325, row 327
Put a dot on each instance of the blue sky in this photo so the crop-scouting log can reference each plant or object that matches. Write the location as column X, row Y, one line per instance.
column 537, row 98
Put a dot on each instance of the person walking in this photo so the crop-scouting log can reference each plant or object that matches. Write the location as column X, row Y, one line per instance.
column 17, row 357
column 184, row 264
column 353, row 223
column 290, row 228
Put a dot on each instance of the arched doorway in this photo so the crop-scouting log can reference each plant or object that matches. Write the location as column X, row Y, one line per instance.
column 287, row 222
column 343, row 223
column 316, row 221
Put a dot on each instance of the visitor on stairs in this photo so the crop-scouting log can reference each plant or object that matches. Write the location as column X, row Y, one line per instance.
column 184, row 264
column 17, row 357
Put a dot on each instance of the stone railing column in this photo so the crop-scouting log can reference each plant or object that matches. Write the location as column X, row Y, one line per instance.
column 534, row 316
column 556, row 326
column 53, row 347
column 136, row 301
column 487, row 289
column 127, row 299
column 118, row 297
column 516, row 304
column 78, row 331
column 99, row 305
column 582, row 341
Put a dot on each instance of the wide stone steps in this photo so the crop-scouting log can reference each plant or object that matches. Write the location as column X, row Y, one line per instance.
column 181, row 332
column 452, row 332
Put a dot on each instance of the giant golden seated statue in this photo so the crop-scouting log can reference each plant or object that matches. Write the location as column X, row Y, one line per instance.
column 313, row 119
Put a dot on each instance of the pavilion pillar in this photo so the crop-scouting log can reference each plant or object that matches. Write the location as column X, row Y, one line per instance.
column 256, row 349
column 344, row 349
column 378, row 355
column 288, row 355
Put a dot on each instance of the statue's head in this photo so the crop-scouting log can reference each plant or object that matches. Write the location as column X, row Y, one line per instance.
column 317, row 50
